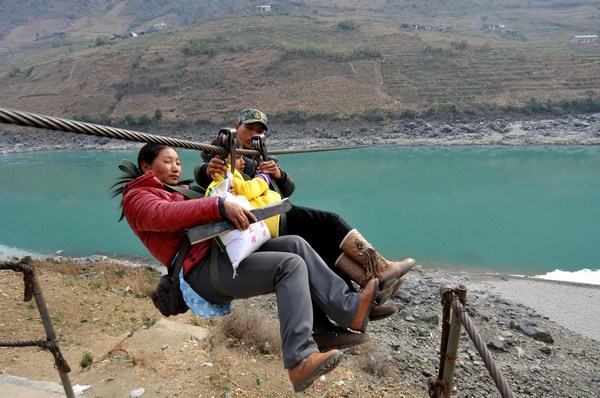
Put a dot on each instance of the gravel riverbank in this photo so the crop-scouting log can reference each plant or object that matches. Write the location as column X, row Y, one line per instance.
column 568, row 130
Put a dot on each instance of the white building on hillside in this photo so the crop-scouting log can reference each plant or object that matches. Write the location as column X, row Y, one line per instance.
column 583, row 39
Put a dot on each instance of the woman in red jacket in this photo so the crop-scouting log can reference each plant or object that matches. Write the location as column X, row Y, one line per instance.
column 286, row 266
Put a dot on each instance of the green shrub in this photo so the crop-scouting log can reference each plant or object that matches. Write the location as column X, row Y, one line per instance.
column 319, row 51
column 102, row 41
column 122, row 88
column 86, row 360
column 136, row 62
column 83, row 118
column 237, row 46
column 581, row 105
column 459, row 45
column 408, row 114
column 310, row 50
column 202, row 45
column 374, row 115
column 347, row 25
column 129, row 119
column 17, row 71
column 291, row 116
column 105, row 118
column 442, row 110
column 369, row 51
column 144, row 120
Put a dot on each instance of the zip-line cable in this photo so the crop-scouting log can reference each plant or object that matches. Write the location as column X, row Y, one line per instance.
column 28, row 119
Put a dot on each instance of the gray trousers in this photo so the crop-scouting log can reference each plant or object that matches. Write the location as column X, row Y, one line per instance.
column 290, row 268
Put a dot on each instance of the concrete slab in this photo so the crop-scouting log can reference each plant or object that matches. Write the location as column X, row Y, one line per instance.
column 20, row 387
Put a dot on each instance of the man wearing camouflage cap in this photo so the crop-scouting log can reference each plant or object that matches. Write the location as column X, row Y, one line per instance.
column 251, row 122
column 325, row 231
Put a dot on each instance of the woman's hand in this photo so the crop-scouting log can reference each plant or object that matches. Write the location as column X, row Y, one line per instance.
column 239, row 216
column 216, row 166
column 270, row 167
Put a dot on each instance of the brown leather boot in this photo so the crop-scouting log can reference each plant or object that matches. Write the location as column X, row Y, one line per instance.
column 354, row 270
column 358, row 274
column 312, row 367
column 367, row 298
column 339, row 338
column 355, row 246
column 379, row 312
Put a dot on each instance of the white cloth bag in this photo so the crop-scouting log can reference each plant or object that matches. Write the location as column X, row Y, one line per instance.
column 240, row 244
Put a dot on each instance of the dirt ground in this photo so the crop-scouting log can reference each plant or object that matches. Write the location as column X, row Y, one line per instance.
column 101, row 314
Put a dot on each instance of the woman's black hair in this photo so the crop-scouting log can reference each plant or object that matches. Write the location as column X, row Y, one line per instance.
column 147, row 154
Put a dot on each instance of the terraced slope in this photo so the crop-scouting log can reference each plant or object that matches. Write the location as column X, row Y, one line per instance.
column 316, row 60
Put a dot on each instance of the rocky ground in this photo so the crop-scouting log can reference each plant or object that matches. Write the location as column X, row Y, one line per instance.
column 94, row 313
column 568, row 130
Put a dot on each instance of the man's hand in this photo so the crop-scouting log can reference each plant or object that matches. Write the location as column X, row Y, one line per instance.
column 270, row 167
column 239, row 216
column 216, row 166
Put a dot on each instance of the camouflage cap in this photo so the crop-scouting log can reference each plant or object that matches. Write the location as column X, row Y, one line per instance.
column 250, row 115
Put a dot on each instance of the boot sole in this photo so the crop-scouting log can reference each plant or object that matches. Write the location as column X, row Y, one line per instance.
column 360, row 340
column 378, row 318
column 325, row 368
column 385, row 283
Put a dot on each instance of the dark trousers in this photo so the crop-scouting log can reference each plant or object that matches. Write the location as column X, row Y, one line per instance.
column 324, row 231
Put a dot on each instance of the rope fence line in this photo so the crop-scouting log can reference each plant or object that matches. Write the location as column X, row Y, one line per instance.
column 455, row 298
column 28, row 119
column 33, row 290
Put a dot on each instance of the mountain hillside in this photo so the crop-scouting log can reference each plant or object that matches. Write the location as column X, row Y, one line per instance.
column 133, row 62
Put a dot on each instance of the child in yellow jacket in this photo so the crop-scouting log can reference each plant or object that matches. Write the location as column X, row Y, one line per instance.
column 256, row 190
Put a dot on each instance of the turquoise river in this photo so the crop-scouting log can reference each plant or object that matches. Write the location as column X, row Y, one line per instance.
column 526, row 210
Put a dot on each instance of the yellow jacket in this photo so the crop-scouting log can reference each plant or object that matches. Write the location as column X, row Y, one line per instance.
column 258, row 194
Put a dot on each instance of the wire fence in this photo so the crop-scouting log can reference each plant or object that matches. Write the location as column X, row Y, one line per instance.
column 454, row 302
column 33, row 290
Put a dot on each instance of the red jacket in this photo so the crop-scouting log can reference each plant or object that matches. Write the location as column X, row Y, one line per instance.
column 159, row 218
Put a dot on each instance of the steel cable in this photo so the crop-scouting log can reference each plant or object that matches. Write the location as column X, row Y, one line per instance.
column 28, row 119
column 484, row 352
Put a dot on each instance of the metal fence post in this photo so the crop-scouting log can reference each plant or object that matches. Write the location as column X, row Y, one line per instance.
column 41, row 304
column 452, row 347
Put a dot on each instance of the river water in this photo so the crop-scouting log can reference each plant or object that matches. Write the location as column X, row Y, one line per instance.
column 525, row 210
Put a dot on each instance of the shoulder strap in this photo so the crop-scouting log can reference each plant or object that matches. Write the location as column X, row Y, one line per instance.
column 214, row 269
column 245, row 176
column 192, row 193
column 282, row 216
column 184, row 248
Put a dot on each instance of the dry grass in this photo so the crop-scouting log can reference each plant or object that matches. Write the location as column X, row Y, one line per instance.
column 377, row 364
column 253, row 330
column 139, row 281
